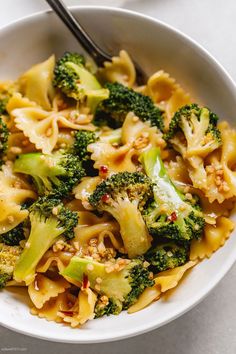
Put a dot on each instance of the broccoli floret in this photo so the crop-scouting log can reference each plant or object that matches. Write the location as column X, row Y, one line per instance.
column 65, row 77
column 9, row 256
column 56, row 173
column 123, row 196
column 49, row 219
column 193, row 133
column 5, row 93
column 71, row 76
column 167, row 255
column 107, row 309
column 169, row 214
column 122, row 100
column 4, row 134
column 122, row 287
column 4, row 278
column 3, row 104
column 14, row 236
column 80, row 147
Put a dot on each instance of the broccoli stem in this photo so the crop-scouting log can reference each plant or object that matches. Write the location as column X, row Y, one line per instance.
column 41, row 238
column 169, row 215
column 133, row 229
column 165, row 191
column 114, row 285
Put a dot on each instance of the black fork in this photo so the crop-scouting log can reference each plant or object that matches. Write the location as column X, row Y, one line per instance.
column 98, row 54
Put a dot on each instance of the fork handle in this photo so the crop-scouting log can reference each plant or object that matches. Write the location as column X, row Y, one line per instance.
column 78, row 31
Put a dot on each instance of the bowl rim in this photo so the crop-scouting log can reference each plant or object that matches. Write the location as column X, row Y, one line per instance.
column 188, row 305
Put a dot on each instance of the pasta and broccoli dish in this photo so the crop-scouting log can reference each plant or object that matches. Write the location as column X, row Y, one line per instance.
column 109, row 191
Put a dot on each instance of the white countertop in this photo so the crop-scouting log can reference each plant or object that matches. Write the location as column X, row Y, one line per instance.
column 210, row 328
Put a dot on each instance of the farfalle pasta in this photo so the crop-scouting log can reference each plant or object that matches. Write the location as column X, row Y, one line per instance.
column 121, row 69
column 110, row 192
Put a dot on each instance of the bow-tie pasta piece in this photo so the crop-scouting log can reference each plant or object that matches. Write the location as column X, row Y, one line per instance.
column 166, row 93
column 51, row 259
column 221, row 165
column 83, row 309
column 16, row 101
column 36, row 83
column 164, row 281
column 51, row 308
column 160, row 86
column 140, row 134
column 43, row 289
column 42, row 127
column 14, row 191
column 121, row 70
column 214, row 237
column 116, row 159
column 18, row 143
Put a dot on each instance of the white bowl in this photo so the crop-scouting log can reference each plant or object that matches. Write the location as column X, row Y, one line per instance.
column 155, row 46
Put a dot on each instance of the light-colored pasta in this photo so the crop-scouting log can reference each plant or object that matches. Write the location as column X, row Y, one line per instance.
column 42, row 127
column 51, row 309
column 42, row 289
column 140, row 134
column 160, row 86
column 166, row 93
column 121, row 70
column 85, row 188
column 36, row 83
column 41, row 118
column 178, row 99
column 214, row 237
column 116, row 159
column 164, row 281
column 13, row 192
column 83, row 309
column 60, row 259
column 221, row 176
column 136, row 137
column 84, row 234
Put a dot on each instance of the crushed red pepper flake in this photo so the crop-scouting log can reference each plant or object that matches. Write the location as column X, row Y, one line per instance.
column 104, row 169
column 85, row 281
column 172, row 217
column 105, row 198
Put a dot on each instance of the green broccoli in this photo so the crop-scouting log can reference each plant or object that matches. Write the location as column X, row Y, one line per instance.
column 9, row 256
column 14, row 236
column 65, row 77
column 4, row 278
column 3, row 103
column 123, row 196
column 198, row 127
column 49, row 219
column 71, row 76
column 122, row 100
column 6, row 91
column 80, row 147
column 122, row 288
column 169, row 214
column 4, row 134
column 56, row 174
column 167, row 255
column 107, row 309
column 193, row 133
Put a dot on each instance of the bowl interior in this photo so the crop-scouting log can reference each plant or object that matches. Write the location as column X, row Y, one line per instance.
column 154, row 46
